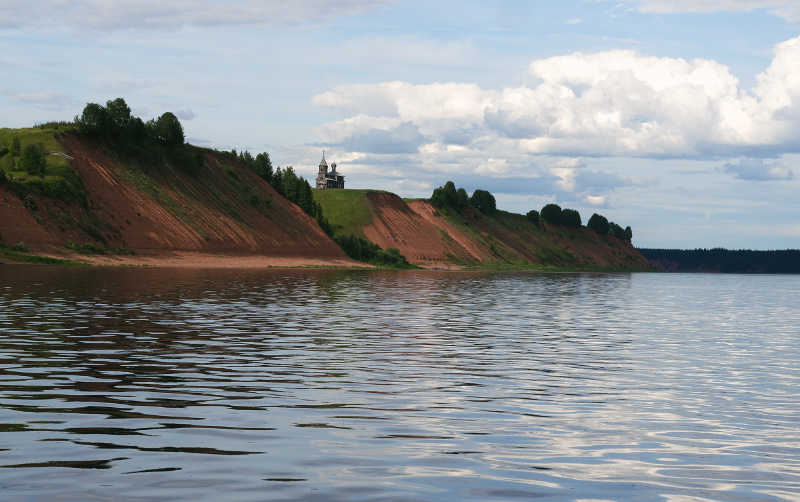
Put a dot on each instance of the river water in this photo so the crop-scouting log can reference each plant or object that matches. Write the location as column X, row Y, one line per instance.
column 141, row 384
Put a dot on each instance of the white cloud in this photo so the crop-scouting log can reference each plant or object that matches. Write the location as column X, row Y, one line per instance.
column 612, row 103
column 107, row 15
column 756, row 170
column 787, row 9
column 616, row 103
column 573, row 21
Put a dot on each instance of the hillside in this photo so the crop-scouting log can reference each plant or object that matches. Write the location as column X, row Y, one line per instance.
column 100, row 206
column 430, row 237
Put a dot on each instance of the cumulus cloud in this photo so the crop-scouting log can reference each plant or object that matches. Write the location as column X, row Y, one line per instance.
column 756, row 170
column 612, row 103
column 787, row 9
column 405, row 138
column 616, row 103
column 107, row 15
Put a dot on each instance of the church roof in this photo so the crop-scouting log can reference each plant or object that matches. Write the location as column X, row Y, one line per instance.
column 323, row 163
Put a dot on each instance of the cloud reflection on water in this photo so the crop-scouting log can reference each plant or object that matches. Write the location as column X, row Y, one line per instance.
column 342, row 385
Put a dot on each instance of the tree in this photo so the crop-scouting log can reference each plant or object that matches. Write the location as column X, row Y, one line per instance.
column 169, row 130
column 483, row 201
column 137, row 131
column 247, row 158
column 263, row 166
column 533, row 216
column 571, row 218
column 277, row 182
column 628, row 234
column 33, row 159
column 7, row 163
column 616, row 230
column 119, row 115
column 551, row 213
column 462, row 199
column 16, row 146
column 598, row 223
column 94, row 120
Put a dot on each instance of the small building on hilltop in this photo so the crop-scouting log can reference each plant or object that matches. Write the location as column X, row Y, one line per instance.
column 327, row 179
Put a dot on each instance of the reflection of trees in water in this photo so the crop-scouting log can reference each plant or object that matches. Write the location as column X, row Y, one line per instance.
column 168, row 327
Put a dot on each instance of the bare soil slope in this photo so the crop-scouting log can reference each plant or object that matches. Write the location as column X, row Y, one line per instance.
column 430, row 237
column 226, row 209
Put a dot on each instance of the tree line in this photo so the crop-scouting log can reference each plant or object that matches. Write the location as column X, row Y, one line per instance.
column 552, row 213
column 785, row 261
column 458, row 199
column 449, row 196
column 133, row 136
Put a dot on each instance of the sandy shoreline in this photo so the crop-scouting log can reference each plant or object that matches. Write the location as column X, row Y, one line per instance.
column 194, row 259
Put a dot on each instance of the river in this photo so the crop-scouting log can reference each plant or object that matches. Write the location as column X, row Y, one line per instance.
column 152, row 384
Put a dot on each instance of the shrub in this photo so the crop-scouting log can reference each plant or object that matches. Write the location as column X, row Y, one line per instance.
column 533, row 216
column 571, row 218
column 362, row 250
column 483, row 201
column 598, row 223
column 551, row 213
column 85, row 248
column 20, row 248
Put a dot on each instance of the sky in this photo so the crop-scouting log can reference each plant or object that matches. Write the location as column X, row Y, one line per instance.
column 676, row 117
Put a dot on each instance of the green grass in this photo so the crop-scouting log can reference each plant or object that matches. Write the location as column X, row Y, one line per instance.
column 347, row 210
column 60, row 182
column 32, row 135
column 11, row 254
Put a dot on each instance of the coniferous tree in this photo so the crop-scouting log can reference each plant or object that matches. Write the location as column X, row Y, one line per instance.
column 262, row 165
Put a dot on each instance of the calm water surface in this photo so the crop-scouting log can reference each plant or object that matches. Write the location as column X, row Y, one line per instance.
column 158, row 384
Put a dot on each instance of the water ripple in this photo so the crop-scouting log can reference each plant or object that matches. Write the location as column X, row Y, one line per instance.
column 343, row 385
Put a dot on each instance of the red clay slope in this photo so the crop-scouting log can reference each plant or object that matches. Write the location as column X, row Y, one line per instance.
column 219, row 211
column 431, row 239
